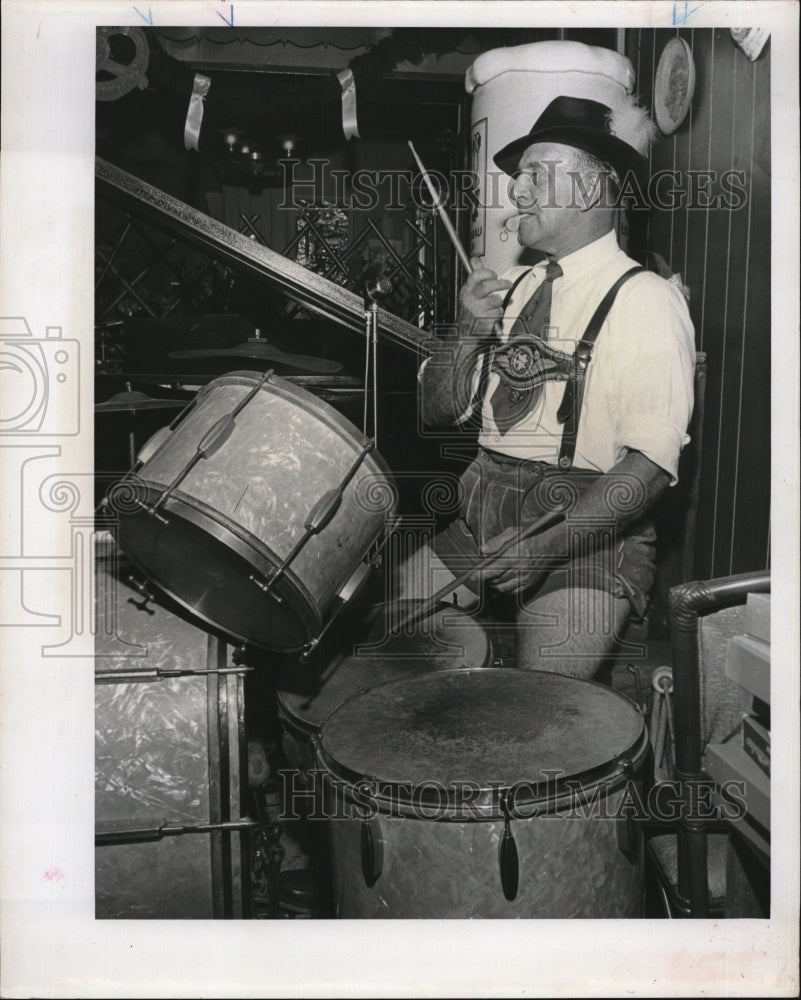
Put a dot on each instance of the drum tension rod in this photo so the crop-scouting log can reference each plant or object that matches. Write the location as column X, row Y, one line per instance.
column 149, row 833
column 214, row 438
column 350, row 588
column 317, row 518
column 162, row 673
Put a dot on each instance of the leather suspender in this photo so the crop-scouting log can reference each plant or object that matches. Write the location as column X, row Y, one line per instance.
column 570, row 409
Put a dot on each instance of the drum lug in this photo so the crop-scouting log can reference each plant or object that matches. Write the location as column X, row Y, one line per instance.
column 372, row 852
column 213, row 439
column 152, row 445
column 627, row 839
column 318, row 517
column 508, row 857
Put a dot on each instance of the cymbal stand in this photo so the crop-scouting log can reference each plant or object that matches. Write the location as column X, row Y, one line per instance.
column 131, row 432
column 372, row 293
column 370, row 373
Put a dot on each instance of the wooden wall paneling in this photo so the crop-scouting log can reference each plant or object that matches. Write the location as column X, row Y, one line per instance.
column 681, row 162
column 723, row 254
column 723, row 326
column 749, row 548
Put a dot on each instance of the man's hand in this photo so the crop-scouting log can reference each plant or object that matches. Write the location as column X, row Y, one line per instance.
column 515, row 570
column 480, row 307
column 612, row 502
column 446, row 381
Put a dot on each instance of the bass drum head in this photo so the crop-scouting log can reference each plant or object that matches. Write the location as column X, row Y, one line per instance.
column 492, row 728
column 447, row 639
column 208, row 568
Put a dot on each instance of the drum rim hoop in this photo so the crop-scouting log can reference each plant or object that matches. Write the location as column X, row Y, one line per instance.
column 390, row 798
column 309, row 727
column 624, row 765
column 200, row 515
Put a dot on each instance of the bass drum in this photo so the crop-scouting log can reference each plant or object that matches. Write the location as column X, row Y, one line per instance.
column 485, row 793
column 447, row 639
column 256, row 508
column 170, row 763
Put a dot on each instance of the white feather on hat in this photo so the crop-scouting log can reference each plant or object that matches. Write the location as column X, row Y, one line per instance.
column 630, row 123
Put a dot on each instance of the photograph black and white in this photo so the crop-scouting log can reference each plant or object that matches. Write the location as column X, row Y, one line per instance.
column 399, row 447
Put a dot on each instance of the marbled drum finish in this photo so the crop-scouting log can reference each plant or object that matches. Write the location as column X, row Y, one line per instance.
column 284, row 453
column 448, row 639
column 155, row 760
column 494, row 727
column 151, row 737
column 568, row 868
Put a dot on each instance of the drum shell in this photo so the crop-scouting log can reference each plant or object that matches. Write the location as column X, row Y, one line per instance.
column 167, row 750
column 569, row 867
column 580, row 855
column 250, row 498
column 447, row 639
column 511, row 87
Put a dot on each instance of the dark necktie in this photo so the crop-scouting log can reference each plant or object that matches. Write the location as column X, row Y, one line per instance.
column 510, row 405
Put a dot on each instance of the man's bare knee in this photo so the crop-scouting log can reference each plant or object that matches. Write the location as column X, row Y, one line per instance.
column 570, row 631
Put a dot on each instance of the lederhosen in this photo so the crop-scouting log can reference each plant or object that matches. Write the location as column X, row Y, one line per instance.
column 500, row 492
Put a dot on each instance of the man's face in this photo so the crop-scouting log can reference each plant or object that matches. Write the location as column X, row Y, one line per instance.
column 545, row 197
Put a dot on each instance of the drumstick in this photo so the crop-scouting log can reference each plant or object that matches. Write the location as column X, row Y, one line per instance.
column 446, row 222
column 546, row 521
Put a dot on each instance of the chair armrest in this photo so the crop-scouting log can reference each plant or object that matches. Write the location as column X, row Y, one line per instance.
column 686, row 603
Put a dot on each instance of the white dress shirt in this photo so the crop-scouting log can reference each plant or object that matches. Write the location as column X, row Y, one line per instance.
column 638, row 392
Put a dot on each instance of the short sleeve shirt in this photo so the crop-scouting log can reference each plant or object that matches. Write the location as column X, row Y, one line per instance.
column 639, row 384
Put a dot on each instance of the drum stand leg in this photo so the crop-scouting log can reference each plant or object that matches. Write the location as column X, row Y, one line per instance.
column 268, row 857
column 275, row 856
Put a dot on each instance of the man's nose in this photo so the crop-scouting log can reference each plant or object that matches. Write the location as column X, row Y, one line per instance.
column 521, row 191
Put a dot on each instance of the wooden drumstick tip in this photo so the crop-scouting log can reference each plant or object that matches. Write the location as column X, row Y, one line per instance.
column 446, row 222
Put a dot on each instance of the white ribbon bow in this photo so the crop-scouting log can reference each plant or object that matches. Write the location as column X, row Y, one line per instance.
column 349, row 124
column 194, row 114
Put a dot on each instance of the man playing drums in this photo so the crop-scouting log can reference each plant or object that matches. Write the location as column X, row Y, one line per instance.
column 583, row 387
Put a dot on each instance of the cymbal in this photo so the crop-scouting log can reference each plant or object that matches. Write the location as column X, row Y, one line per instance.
column 133, row 401
column 261, row 349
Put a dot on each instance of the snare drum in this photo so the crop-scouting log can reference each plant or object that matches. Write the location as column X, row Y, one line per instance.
column 485, row 793
column 256, row 509
column 447, row 639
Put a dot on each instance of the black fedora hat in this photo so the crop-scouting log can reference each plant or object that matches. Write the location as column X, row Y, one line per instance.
column 578, row 122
